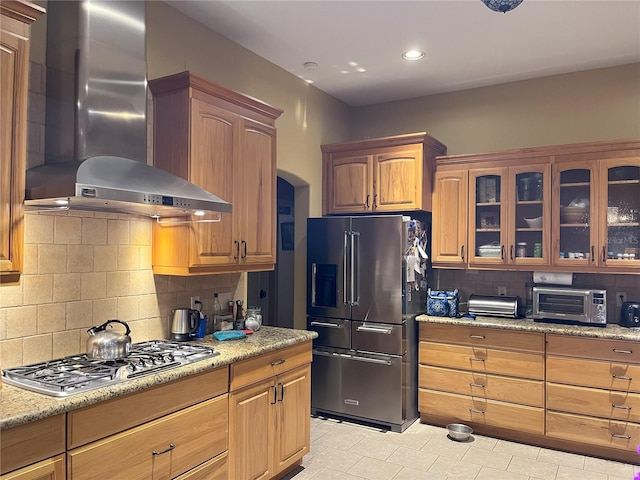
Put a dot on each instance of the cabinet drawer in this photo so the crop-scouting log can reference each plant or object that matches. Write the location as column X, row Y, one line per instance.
column 483, row 337
column 594, row 431
column 49, row 469
column 596, row 348
column 486, row 360
column 31, row 442
column 259, row 368
column 215, row 469
column 506, row 389
column 594, row 373
column 594, row 402
column 476, row 411
column 117, row 415
column 198, row 433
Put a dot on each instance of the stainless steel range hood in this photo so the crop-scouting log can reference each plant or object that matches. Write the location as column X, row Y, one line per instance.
column 96, row 123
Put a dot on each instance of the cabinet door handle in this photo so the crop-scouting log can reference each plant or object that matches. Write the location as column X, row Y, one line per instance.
column 476, row 359
column 244, row 249
column 593, row 254
column 478, row 385
column 375, row 203
column 473, row 410
column 620, row 377
column 366, row 203
column 477, row 336
column 281, row 385
column 627, row 352
column 502, row 252
column 604, row 254
column 621, row 407
column 462, row 252
column 617, row 435
column 511, row 252
column 275, row 395
column 171, row 447
column 278, row 362
column 237, row 244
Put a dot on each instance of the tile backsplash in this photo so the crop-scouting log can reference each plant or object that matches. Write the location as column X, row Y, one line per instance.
column 82, row 269
column 486, row 282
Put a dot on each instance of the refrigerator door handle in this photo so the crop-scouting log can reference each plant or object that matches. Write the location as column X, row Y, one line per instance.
column 371, row 360
column 345, row 271
column 366, row 328
column 314, row 271
column 355, row 269
column 314, row 323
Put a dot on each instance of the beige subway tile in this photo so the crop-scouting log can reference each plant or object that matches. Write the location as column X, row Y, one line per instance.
column 67, row 230
column 67, row 287
column 93, row 285
column 3, row 323
column 128, row 308
column 118, row 232
column 140, row 233
column 148, row 306
column 166, row 303
column 176, row 284
column 631, row 281
column 107, row 215
column 105, row 309
column 35, row 137
column 36, row 107
column 38, row 228
column 94, row 231
column 52, row 258
column 11, row 353
column 105, row 258
column 69, row 342
column 128, row 257
column 184, row 298
column 79, row 315
column 11, row 295
column 30, row 264
column 80, row 213
column 51, row 318
column 37, row 82
column 21, row 321
column 161, row 283
column 37, row 348
column 157, row 328
column 80, row 258
column 139, row 331
column 118, row 284
column 141, row 282
column 37, row 289
column 146, row 258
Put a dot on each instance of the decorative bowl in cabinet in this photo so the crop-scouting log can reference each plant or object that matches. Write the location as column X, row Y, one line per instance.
column 574, row 215
column 534, row 222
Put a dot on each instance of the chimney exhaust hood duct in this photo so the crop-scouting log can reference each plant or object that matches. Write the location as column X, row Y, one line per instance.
column 96, row 125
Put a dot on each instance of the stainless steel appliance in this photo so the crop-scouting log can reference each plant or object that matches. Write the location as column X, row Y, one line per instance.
column 79, row 373
column 184, row 324
column 495, row 305
column 630, row 314
column 570, row 305
column 366, row 283
column 107, row 344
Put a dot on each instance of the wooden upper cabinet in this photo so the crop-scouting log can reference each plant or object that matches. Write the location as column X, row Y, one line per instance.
column 225, row 143
column 450, row 207
column 15, row 19
column 390, row 174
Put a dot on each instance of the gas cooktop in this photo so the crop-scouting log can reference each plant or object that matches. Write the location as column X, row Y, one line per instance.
column 78, row 373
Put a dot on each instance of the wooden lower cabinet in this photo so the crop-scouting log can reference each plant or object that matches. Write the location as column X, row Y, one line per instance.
column 215, row 469
column 269, row 414
column 49, row 469
column 615, row 434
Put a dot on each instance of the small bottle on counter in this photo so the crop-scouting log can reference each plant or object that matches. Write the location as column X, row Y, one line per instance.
column 239, row 323
column 214, row 325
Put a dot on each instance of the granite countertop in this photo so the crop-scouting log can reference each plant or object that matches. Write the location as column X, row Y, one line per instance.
column 19, row 406
column 610, row 332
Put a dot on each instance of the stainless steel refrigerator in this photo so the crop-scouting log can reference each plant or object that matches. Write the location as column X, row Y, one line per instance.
column 366, row 282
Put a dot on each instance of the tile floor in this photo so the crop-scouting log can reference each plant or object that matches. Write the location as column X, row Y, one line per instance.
column 347, row 451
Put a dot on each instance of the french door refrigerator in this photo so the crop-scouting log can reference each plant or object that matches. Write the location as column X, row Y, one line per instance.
column 366, row 282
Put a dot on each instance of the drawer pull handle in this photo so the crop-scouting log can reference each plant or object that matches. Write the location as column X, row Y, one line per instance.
column 171, row 447
column 473, row 410
column 621, row 407
column 476, row 385
column 620, row 377
column 476, row 359
column 617, row 435
column 628, row 352
column 481, row 337
column 275, row 395
column 279, row 362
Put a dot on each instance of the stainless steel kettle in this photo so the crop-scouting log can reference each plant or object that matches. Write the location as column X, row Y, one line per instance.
column 184, row 324
column 106, row 344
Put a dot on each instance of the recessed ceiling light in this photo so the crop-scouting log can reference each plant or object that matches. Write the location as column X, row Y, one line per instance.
column 413, row 55
column 310, row 66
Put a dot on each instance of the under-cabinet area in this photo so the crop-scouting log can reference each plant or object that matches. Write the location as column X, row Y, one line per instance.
column 244, row 419
column 575, row 390
column 563, row 208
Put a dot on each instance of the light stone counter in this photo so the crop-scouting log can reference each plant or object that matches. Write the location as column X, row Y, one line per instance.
column 19, row 406
column 611, row 331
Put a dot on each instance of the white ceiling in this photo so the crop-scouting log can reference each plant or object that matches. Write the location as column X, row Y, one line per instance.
column 358, row 44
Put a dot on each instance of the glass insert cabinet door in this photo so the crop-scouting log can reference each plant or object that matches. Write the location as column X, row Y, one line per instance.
column 487, row 210
column 574, row 207
column 620, row 185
